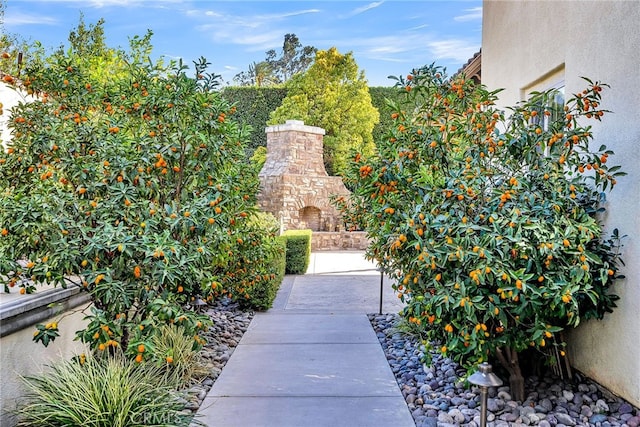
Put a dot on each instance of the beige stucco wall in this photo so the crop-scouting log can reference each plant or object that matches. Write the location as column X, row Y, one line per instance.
column 521, row 42
column 19, row 355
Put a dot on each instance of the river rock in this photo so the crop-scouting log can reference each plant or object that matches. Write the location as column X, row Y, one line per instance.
column 601, row 406
column 565, row 419
column 634, row 421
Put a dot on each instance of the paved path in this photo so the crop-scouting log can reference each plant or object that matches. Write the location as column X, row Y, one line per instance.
column 313, row 360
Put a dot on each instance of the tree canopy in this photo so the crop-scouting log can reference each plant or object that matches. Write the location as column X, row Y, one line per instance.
column 274, row 70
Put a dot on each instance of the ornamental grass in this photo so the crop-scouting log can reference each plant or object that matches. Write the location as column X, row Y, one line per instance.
column 102, row 392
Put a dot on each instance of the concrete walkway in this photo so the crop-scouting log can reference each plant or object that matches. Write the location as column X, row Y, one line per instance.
column 313, row 360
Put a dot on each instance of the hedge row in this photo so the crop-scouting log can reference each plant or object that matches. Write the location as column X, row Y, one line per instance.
column 264, row 292
column 298, row 250
column 378, row 99
column 289, row 254
column 254, row 104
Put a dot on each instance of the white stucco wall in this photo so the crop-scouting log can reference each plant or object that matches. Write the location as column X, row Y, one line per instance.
column 521, row 42
column 20, row 356
column 9, row 98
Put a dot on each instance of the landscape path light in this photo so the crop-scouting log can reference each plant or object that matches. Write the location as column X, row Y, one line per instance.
column 484, row 378
column 381, row 285
column 199, row 304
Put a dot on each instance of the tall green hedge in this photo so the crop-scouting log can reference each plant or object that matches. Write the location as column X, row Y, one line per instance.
column 378, row 96
column 254, row 104
column 298, row 250
column 266, row 260
column 264, row 292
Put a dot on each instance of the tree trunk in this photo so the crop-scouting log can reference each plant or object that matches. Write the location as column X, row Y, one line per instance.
column 509, row 360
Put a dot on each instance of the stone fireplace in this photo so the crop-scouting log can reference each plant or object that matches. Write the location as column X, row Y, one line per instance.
column 294, row 185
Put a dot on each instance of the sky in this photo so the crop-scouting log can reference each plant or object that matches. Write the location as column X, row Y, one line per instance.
column 389, row 37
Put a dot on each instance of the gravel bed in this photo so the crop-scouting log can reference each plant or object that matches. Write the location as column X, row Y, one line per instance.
column 435, row 395
column 229, row 324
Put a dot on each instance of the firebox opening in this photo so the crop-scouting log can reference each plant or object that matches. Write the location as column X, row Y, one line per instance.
column 311, row 217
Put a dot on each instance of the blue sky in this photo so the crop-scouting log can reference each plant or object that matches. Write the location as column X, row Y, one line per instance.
column 386, row 37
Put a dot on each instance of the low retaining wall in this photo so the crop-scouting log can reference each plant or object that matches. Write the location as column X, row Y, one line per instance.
column 19, row 355
column 338, row 240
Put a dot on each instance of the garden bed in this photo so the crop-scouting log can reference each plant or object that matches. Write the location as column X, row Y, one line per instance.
column 436, row 396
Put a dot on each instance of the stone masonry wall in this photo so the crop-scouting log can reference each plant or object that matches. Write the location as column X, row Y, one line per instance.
column 339, row 240
column 293, row 178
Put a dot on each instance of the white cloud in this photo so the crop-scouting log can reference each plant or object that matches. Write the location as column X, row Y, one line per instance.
column 250, row 20
column 172, row 57
column 245, row 34
column 394, row 48
column 413, row 47
column 26, row 19
column 259, row 42
column 470, row 15
column 419, row 27
column 289, row 14
column 459, row 50
column 363, row 9
column 107, row 3
column 117, row 3
column 259, row 32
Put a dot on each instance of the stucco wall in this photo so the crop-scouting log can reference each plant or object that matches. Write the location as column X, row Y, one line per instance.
column 9, row 98
column 19, row 355
column 521, row 42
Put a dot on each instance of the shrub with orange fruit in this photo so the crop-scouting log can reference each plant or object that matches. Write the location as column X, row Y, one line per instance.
column 498, row 219
column 139, row 204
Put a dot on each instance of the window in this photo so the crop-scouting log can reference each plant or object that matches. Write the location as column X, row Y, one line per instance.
column 552, row 81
